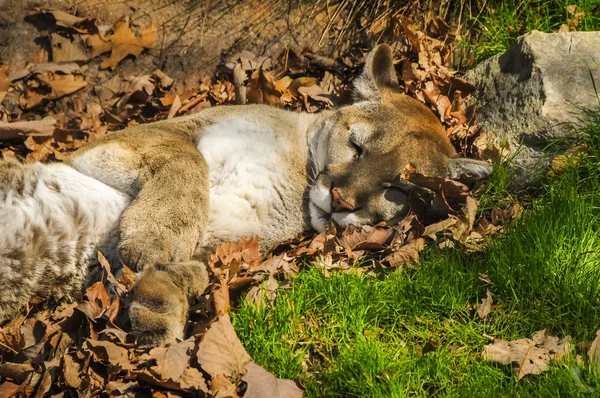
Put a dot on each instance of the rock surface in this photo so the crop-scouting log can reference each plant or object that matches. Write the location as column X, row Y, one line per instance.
column 535, row 92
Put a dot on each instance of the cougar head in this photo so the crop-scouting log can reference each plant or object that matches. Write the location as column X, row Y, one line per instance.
column 358, row 150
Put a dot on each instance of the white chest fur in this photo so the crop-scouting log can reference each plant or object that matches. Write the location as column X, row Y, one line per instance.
column 250, row 176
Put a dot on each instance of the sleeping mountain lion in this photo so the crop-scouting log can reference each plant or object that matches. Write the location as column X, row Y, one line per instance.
column 159, row 196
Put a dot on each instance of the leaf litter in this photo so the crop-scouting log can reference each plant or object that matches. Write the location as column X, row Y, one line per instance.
column 52, row 106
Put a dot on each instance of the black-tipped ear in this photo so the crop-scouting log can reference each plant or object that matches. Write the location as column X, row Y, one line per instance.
column 378, row 74
column 465, row 167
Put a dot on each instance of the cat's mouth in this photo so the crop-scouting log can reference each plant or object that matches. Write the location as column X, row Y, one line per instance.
column 321, row 211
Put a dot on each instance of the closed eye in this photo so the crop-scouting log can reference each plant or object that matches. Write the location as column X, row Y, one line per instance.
column 357, row 148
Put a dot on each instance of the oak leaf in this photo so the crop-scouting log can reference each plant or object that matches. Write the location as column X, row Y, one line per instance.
column 121, row 43
column 528, row 356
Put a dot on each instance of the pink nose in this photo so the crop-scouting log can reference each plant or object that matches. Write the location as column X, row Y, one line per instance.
column 338, row 204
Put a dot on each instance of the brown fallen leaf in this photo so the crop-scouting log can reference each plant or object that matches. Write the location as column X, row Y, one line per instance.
column 221, row 387
column 65, row 20
column 164, row 81
column 70, row 371
column 221, row 298
column 109, row 353
column 221, row 351
column 407, row 254
column 175, row 107
column 40, row 57
column 484, row 308
column 172, row 361
column 50, row 86
column 528, row 356
column 594, row 353
column 5, row 82
column 121, row 43
column 97, row 294
column 15, row 371
column 120, row 389
column 68, row 49
column 107, row 273
column 8, row 389
column 128, row 277
column 462, row 229
column 262, row 89
column 51, row 67
column 37, row 128
column 432, row 230
column 192, row 380
column 266, row 290
column 263, row 384
column 367, row 238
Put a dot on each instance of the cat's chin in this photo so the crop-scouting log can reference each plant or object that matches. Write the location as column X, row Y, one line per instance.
column 319, row 218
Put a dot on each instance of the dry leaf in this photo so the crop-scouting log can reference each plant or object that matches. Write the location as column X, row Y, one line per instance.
column 50, row 86
column 97, row 294
column 368, row 238
column 220, row 351
column 121, row 43
column 172, row 361
column 109, row 353
column 407, row 254
column 68, row 49
column 70, row 371
column 262, row 89
column 594, row 353
column 4, row 79
column 263, row 384
column 80, row 25
column 192, row 379
column 37, row 128
column 7, row 389
column 485, row 307
column 528, row 356
column 221, row 387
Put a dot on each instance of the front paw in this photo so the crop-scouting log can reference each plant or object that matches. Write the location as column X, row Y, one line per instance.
column 158, row 310
column 144, row 241
column 139, row 248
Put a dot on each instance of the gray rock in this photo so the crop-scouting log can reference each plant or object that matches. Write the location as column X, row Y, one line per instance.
column 535, row 92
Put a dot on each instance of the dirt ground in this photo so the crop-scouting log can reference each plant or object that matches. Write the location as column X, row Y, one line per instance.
column 193, row 36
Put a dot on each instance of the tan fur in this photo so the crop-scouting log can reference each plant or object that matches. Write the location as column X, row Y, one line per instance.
column 301, row 170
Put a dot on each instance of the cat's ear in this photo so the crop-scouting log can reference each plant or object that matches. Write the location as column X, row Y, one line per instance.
column 378, row 75
column 465, row 167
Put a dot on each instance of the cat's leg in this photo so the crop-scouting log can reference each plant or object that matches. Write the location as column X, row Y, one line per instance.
column 160, row 300
column 161, row 228
column 168, row 177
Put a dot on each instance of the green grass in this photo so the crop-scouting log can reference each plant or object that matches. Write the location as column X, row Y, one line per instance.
column 414, row 333
column 493, row 25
